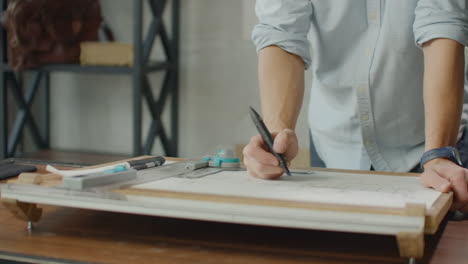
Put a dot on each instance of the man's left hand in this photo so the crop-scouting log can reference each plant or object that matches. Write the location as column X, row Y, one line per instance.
column 444, row 176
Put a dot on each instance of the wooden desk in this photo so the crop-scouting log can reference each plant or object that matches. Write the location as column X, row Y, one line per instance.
column 69, row 235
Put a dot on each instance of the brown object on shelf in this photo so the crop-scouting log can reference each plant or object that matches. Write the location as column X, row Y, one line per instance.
column 49, row 31
column 106, row 53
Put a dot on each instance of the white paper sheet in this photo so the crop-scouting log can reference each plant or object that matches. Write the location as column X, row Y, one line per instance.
column 322, row 187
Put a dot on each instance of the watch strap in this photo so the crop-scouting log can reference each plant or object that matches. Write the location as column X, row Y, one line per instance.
column 450, row 153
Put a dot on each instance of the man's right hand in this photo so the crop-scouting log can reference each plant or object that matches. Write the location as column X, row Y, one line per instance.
column 261, row 163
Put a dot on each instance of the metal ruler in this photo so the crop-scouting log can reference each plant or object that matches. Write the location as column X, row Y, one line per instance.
column 178, row 169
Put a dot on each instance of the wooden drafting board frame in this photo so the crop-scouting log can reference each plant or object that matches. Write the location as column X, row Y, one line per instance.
column 410, row 242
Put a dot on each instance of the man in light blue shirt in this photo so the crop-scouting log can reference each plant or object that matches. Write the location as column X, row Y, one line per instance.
column 388, row 84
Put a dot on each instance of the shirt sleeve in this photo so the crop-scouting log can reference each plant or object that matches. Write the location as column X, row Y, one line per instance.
column 284, row 23
column 441, row 19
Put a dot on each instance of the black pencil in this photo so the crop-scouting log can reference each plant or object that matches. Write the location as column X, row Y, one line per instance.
column 267, row 138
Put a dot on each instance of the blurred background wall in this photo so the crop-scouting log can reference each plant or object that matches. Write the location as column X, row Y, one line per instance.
column 218, row 82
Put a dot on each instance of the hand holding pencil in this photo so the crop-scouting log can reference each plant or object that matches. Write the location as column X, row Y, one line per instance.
column 267, row 158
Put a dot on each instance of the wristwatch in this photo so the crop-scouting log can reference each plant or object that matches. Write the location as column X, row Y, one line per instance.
column 450, row 153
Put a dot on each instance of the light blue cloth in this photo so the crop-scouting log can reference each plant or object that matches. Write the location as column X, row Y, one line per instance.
column 366, row 103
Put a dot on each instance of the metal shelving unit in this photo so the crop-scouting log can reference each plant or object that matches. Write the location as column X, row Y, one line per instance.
column 141, row 86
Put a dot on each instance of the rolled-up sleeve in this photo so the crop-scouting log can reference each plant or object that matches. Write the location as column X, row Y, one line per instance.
column 284, row 23
column 441, row 19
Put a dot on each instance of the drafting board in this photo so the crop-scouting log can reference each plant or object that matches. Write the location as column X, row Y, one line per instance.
column 350, row 201
column 340, row 192
column 315, row 187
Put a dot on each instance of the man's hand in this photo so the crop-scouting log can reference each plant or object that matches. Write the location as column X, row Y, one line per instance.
column 444, row 176
column 262, row 164
column 281, row 81
column 444, row 75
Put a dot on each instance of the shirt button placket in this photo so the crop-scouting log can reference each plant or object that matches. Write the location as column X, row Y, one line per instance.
column 364, row 103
